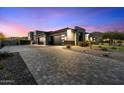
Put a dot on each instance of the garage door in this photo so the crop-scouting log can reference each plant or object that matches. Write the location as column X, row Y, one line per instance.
column 57, row 40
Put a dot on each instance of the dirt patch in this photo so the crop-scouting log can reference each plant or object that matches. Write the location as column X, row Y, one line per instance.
column 15, row 72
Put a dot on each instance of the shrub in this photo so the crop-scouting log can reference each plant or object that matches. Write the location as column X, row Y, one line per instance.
column 25, row 42
column 106, row 54
column 80, row 43
column 113, row 48
column 83, row 44
column 104, row 49
column 100, row 46
column 68, row 46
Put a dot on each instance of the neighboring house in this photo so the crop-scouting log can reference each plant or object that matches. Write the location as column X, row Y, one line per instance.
column 58, row 37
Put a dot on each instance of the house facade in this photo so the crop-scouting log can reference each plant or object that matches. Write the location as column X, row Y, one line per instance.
column 58, row 37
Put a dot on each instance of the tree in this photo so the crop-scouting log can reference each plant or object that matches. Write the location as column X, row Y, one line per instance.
column 113, row 36
column 97, row 36
column 2, row 36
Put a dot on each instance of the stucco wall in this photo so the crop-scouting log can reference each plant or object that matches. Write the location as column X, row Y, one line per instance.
column 86, row 37
column 70, row 35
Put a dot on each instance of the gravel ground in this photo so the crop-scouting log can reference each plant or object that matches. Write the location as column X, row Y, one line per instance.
column 56, row 65
column 15, row 72
column 113, row 54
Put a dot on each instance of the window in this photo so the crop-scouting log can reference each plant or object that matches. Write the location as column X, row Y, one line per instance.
column 80, row 36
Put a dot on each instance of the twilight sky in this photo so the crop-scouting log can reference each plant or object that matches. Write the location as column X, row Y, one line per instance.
column 19, row 21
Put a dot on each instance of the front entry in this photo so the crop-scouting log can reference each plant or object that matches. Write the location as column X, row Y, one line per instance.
column 41, row 40
column 51, row 40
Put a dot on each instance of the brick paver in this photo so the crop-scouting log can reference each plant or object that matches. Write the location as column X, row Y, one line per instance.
column 56, row 65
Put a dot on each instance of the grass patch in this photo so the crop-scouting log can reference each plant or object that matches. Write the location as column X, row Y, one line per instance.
column 100, row 46
column 121, row 48
column 113, row 47
column 83, row 44
column 103, row 48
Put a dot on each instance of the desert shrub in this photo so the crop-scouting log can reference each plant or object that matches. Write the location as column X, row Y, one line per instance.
column 1, row 67
column 83, row 44
column 100, row 46
column 104, row 49
column 68, row 46
column 80, row 43
column 4, row 55
column 113, row 47
column 106, row 54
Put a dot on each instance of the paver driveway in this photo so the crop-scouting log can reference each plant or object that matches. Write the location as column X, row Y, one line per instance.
column 55, row 65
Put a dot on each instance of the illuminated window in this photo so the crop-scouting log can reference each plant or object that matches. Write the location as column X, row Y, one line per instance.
column 65, row 38
column 63, row 35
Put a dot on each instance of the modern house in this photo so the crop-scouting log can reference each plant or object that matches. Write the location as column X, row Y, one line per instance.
column 58, row 37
